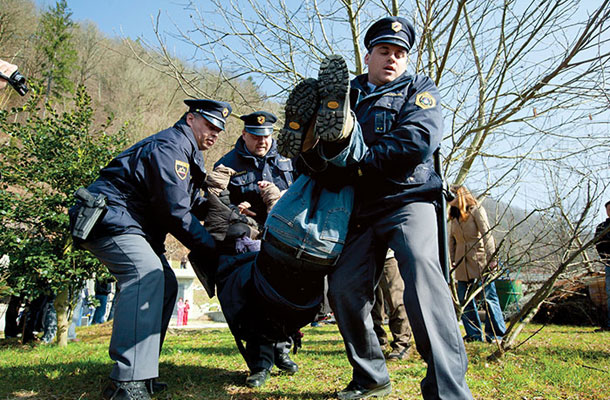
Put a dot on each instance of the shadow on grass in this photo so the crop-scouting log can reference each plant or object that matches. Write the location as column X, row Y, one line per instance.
column 50, row 373
column 85, row 380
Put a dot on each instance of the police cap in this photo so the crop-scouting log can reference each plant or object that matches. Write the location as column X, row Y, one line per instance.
column 216, row 112
column 259, row 123
column 393, row 30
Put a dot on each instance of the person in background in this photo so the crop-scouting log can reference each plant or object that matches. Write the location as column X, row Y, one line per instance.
column 180, row 317
column 185, row 315
column 103, row 287
column 472, row 249
column 603, row 249
column 390, row 291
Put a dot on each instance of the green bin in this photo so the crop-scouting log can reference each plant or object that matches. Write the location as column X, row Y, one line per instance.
column 509, row 291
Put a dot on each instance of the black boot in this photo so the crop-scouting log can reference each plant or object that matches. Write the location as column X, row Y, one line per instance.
column 129, row 390
column 258, row 378
column 284, row 363
column 300, row 110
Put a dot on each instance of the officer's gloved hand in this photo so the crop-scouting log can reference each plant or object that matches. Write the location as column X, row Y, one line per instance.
column 205, row 265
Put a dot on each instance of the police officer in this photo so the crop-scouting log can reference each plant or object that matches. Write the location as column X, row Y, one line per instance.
column 401, row 121
column 255, row 159
column 152, row 189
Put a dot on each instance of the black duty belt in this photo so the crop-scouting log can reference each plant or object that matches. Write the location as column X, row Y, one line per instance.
column 299, row 254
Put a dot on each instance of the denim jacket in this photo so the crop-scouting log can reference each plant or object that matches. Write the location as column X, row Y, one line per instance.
column 312, row 218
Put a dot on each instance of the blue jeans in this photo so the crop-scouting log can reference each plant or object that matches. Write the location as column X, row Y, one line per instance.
column 100, row 311
column 608, row 295
column 77, row 314
column 312, row 218
column 494, row 324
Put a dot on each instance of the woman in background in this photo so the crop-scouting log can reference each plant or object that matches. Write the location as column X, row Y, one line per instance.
column 471, row 247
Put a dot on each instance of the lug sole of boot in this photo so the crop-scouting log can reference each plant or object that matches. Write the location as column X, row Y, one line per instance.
column 300, row 108
column 333, row 81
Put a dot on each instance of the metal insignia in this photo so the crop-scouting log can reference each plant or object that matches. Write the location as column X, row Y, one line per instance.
column 425, row 100
column 261, row 119
column 182, row 169
column 225, row 112
column 396, row 26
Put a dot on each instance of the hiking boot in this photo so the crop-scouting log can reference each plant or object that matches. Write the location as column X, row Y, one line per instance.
column 300, row 109
column 399, row 354
column 334, row 121
column 130, row 390
column 354, row 391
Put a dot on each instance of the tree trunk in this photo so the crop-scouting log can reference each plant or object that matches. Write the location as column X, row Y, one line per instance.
column 62, row 308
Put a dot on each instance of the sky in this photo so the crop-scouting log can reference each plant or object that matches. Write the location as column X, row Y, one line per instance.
column 128, row 18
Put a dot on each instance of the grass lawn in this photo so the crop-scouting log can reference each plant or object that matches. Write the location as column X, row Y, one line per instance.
column 561, row 362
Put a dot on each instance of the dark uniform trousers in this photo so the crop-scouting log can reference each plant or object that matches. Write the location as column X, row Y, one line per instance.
column 391, row 290
column 148, row 289
column 412, row 233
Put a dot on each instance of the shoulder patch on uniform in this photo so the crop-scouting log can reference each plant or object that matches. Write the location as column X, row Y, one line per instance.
column 182, row 169
column 425, row 100
column 240, row 173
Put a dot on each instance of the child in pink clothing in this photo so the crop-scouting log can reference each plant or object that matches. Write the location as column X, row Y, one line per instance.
column 180, row 319
column 186, row 312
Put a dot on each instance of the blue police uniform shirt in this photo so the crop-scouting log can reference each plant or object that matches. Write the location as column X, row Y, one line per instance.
column 153, row 188
column 402, row 124
column 251, row 169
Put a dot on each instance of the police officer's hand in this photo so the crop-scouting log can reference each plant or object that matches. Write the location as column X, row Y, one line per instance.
column 7, row 69
column 244, row 208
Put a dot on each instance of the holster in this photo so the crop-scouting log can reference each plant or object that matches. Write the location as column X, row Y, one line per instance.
column 88, row 211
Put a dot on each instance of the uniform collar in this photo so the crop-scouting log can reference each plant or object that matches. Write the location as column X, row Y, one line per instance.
column 361, row 84
column 182, row 126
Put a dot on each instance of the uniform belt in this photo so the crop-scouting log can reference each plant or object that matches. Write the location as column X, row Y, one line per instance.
column 299, row 254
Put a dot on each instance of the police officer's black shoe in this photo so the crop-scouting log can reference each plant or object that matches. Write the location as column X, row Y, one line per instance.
column 258, row 378
column 284, row 363
column 334, row 120
column 300, row 108
column 153, row 386
column 354, row 391
column 130, row 390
